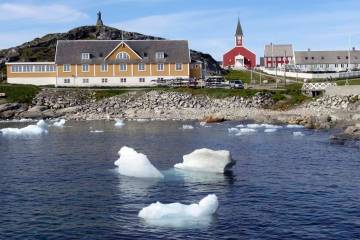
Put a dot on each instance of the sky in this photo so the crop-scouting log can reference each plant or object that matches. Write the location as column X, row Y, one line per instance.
column 209, row 25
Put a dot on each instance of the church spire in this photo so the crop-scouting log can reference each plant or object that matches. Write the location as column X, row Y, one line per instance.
column 239, row 34
column 99, row 22
column 239, row 31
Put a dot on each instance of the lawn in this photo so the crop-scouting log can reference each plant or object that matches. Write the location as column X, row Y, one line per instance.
column 245, row 76
column 355, row 81
column 19, row 93
column 101, row 94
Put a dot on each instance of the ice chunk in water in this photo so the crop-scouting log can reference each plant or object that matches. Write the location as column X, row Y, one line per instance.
column 178, row 213
column 298, row 134
column 270, row 130
column 207, row 160
column 254, row 125
column 233, row 130
column 245, row 131
column 187, row 127
column 134, row 164
column 119, row 123
column 60, row 123
column 294, row 126
column 38, row 129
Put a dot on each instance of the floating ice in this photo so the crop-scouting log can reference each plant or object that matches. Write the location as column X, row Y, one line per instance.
column 38, row 129
column 142, row 120
column 119, row 123
column 96, row 131
column 245, row 131
column 207, row 160
column 254, row 125
column 240, row 126
column 134, row 164
column 264, row 125
column 178, row 214
column 203, row 124
column 294, row 126
column 270, row 130
column 60, row 123
column 298, row 134
column 233, row 130
column 18, row 120
column 187, row 127
column 271, row 126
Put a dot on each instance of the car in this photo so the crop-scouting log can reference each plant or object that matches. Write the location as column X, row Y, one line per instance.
column 236, row 84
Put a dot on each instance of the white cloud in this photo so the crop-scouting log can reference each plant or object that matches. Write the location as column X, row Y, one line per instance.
column 53, row 13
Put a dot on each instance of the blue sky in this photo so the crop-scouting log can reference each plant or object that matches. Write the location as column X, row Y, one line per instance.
column 209, row 25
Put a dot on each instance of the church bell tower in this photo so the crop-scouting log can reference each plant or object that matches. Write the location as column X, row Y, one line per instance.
column 239, row 35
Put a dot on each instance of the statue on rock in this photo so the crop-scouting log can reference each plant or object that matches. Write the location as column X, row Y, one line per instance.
column 99, row 22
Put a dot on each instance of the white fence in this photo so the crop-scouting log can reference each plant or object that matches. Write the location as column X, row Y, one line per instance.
column 321, row 86
column 302, row 75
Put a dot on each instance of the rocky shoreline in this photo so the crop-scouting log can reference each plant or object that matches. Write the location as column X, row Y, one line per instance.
column 323, row 113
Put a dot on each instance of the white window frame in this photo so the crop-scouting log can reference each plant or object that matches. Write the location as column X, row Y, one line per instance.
column 142, row 69
column 142, row 80
column 104, row 67
column 104, row 80
column 67, row 68
column 123, row 80
column 85, row 80
column 123, row 56
column 120, row 67
column 160, row 69
column 67, row 80
column 85, row 56
column 82, row 68
column 160, row 55
column 176, row 66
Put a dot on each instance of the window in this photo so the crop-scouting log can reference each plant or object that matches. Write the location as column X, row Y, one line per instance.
column 123, row 80
column 312, row 58
column 85, row 67
column 142, row 80
column 15, row 68
column 145, row 55
column 322, row 58
column 104, row 67
column 104, row 80
column 160, row 55
column 85, row 56
column 336, row 65
column 67, row 80
column 141, row 67
column 160, row 67
column 306, row 58
column 123, row 67
column 160, row 78
column 85, row 80
column 122, row 56
column 67, row 68
column 338, row 57
column 178, row 67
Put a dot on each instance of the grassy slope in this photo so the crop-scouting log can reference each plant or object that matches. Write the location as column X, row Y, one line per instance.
column 351, row 82
column 19, row 93
column 101, row 94
column 245, row 76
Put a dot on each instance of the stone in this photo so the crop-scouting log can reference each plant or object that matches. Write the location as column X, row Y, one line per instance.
column 32, row 114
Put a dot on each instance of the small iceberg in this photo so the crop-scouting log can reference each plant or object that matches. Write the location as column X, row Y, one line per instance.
column 264, row 125
column 207, row 160
column 59, row 123
column 96, row 131
column 245, row 131
column 187, row 127
column 294, row 126
column 134, row 164
column 298, row 134
column 119, row 123
column 233, row 130
column 38, row 129
column 240, row 126
column 178, row 214
column 254, row 125
column 270, row 130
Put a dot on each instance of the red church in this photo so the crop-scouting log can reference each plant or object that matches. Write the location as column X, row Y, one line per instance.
column 239, row 57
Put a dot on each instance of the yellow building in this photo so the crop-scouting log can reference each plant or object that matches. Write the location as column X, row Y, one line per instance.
column 106, row 63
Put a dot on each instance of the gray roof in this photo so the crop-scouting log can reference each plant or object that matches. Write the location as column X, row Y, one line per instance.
column 278, row 50
column 327, row 57
column 69, row 51
column 239, row 31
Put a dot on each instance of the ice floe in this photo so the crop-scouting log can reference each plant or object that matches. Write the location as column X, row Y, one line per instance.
column 294, row 126
column 178, row 214
column 59, row 123
column 38, row 129
column 240, row 126
column 207, row 160
column 187, row 127
column 119, row 123
column 96, row 131
column 270, row 130
column 298, row 134
column 134, row 164
column 264, row 125
column 245, row 131
column 18, row 120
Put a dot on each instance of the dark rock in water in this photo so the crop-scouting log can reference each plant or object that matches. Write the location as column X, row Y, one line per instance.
column 43, row 49
column 211, row 119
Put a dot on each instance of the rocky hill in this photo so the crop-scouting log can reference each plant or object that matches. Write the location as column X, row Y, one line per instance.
column 43, row 49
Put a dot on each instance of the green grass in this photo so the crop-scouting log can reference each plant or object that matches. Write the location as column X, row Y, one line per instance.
column 245, row 76
column 290, row 97
column 351, row 82
column 101, row 94
column 19, row 93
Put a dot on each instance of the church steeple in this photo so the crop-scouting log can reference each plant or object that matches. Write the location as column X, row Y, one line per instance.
column 239, row 34
column 99, row 22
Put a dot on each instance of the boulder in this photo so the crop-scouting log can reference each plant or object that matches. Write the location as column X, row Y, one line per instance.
column 32, row 114
column 212, row 119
